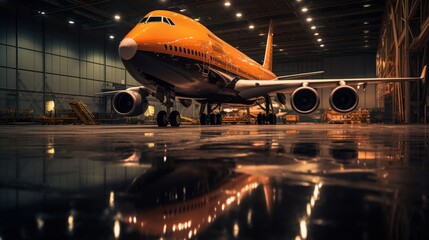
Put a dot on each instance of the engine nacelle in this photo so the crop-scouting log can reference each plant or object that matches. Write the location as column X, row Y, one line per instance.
column 305, row 100
column 130, row 103
column 344, row 99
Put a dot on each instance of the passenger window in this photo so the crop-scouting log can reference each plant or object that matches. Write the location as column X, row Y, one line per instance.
column 165, row 46
column 180, row 49
column 192, row 51
column 171, row 48
column 189, row 51
column 175, row 48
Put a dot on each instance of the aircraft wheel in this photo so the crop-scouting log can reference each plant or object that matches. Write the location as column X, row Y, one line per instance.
column 212, row 119
column 272, row 118
column 259, row 119
column 161, row 119
column 218, row 119
column 175, row 119
column 203, row 119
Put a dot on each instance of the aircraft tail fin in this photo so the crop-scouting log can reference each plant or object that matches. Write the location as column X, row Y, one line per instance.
column 268, row 59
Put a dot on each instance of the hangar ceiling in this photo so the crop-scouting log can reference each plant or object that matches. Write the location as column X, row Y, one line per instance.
column 343, row 26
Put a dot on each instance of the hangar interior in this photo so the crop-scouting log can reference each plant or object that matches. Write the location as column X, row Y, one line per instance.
column 58, row 52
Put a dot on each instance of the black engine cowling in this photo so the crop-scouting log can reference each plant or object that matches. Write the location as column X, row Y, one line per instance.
column 305, row 100
column 130, row 103
column 344, row 99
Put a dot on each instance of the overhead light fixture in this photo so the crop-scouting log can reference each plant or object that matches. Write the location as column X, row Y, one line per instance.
column 281, row 49
column 112, row 37
column 319, row 39
column 366, row 23
column 299, row 1
column 365, row 36
column 313, row 27
column 366, row 46
column 366, row 41
column 316, row 34
column 182, row 10
column 117, row 17
column 366, row 5
column 366, row 31
column 239, row 15
column 71, row 21
column 322, row 45
column 251, row 26
column 41, row 12
column 262, row 34
column 227, row 4
column 304, row 9
column 309, row 19
column 197, row 19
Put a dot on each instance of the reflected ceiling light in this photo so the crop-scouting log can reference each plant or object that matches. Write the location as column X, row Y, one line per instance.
column 251, row 27
column 117, row 17
column 71, row 21
column 316, row 34
column 227, row 4
column 309, row 19
column 319, row 39
column 313, row 27
column 304, row 9
column 366, row 5
column 239, row 15
column 112, row 37
column 322, row 45
column 182, row 10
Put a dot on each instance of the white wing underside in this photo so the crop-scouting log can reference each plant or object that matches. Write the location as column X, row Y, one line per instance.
column 255, row 88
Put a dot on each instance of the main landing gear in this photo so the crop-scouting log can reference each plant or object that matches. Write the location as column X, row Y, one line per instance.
column 267, row 118
column 210, row 117
column 165, row 117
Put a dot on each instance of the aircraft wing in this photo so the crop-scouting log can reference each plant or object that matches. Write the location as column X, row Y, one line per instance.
column 255, row 88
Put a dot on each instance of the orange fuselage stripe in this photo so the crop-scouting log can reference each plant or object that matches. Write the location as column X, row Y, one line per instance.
column 188, row 34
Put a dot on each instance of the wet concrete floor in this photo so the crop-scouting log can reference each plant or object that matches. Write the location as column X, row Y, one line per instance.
column 305, row 181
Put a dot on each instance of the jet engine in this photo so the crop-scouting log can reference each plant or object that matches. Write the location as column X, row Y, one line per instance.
column 344, row 99
column 130, row 103
column 305, row 100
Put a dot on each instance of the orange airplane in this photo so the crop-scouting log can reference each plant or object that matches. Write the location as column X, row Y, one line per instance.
column 172, row 56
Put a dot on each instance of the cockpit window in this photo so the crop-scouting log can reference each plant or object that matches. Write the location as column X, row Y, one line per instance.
column 157, row 19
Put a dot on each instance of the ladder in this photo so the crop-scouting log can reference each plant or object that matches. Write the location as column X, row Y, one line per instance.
column 83, row 113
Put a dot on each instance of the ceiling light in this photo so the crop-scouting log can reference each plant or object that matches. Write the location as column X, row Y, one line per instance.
column 182, row 10
column 366, row 46
column 71, row 22
column 366, row 41
column 365, row 37
column 316, row 34
column 112, row 37
column 281, row 49
column 313, row 27
column 197, row 19
column 366, row 31
column 366, row 23
column 298, row 0
column 319, row 39
column 251, row 26
column 238, row 15
column 304, row 9
column 41, row 12
column 309, row 19
column 366, row 5
column 227, row 4
column 322, row 45
column 117, row 17
column 262, row 34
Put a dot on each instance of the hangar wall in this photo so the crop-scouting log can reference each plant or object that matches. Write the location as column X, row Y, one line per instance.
column 42, row 60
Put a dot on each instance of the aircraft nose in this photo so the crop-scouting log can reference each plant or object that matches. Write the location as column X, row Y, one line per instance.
column 127, row 48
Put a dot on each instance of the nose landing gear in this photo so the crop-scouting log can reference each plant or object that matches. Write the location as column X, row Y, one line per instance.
column 165, row 117
column 268, row 117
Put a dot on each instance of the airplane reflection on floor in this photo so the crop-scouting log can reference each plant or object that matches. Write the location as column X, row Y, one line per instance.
column 252, row 182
